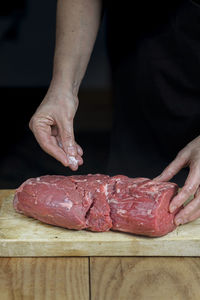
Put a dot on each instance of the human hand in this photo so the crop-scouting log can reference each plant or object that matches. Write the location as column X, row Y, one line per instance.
column 52, row 126
column 188, row 156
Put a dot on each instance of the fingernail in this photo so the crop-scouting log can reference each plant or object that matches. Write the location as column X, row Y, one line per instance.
column 178, row 222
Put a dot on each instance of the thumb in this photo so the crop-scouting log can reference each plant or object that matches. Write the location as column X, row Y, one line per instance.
column 66, row 133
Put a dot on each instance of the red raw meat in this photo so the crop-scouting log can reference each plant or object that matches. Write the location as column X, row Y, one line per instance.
column 141, row 206
column 53, row 200
column 98, row 216
column 99, row 203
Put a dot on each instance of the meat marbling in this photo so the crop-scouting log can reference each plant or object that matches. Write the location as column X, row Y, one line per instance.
column 99, row 203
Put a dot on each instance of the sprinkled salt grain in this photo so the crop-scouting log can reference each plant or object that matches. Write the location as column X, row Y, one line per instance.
column 72, row 160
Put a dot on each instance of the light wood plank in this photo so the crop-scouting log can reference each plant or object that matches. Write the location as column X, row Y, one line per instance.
column 4, row 194
column 145, row 278
column 44, row 278
column 23, row 236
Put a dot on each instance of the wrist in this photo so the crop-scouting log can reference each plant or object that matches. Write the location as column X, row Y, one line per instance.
column 61, row 94
column 64, row 85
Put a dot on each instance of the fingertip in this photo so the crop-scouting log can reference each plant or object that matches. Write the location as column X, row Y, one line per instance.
column 73, row 167
column 80, row 161
column 73, row 162
column 172, row 208
column 178, row 221
column 65, row 162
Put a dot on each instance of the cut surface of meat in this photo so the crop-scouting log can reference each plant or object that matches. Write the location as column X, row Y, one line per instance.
column 99, row 203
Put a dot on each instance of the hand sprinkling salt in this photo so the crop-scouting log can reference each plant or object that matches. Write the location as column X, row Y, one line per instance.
column 72, row 160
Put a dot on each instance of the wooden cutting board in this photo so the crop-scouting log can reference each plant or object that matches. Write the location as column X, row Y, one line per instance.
column 23, row 236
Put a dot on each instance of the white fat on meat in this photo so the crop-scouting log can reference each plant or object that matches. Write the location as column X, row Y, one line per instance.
column 112, row 201
column 106, row 189
column 81, row 180
column 67, row 204
column 121, row 211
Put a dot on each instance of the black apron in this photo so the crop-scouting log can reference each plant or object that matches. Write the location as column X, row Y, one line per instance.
column 154, row 50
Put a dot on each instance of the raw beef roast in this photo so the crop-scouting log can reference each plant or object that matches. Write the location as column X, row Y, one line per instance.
column 99, row 203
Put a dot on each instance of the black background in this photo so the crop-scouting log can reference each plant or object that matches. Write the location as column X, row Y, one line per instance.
column 27, row 34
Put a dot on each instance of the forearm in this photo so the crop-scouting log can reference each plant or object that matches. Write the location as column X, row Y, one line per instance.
column 77, row 26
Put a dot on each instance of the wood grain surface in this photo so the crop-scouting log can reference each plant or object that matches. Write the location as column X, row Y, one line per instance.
column 4, row 194
column 145, row 278
column 23, row 236
column 44, row 278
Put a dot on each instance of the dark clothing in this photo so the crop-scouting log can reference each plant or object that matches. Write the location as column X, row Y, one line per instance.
column 154, row 49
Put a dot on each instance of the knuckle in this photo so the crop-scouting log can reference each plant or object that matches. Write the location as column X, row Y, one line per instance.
column 188, row 190
column 182, row 155
column 32, row 123
column 169, row 171
column 67, row 115
column 67, row 134
column 191, row 189
column 195, row 165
